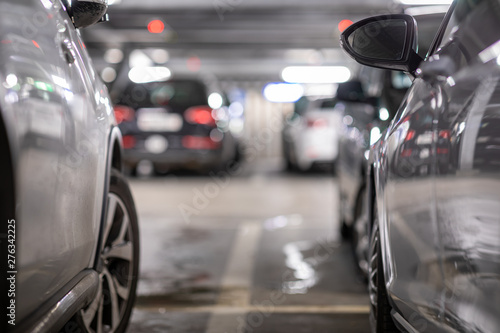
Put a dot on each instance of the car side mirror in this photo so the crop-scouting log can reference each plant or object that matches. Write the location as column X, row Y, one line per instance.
column 386, row 41
column 85, row 13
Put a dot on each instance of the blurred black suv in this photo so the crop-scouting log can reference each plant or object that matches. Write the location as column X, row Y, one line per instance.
column 169, row 125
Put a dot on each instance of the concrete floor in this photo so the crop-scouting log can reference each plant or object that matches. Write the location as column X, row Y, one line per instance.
column 256, row 250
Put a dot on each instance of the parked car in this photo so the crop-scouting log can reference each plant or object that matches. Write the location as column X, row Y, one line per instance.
column 384, row 89
column 168, row 124
column 434, row 218
column 71, row 246
column 360, row 117
column 310, row 134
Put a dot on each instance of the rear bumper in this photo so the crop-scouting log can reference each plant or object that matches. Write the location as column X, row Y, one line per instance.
column 176, row 158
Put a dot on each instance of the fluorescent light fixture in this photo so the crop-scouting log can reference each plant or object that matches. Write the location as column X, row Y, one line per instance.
column 320, row 90
column 149, row 74
column 426, row 10
column 138, row 58
column 215, row 100
column 426, row 2
column 283, row 92
column 316, row 74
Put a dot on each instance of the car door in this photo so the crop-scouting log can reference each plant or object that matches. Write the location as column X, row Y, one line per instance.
column 46, row 107
column 467, row 147
column 409, row 229
column 83, row 161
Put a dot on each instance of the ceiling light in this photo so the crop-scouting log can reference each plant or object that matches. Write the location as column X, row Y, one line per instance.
column 426, row 10
column 316, row 74
column 283, row 92
column 138, row 58
column 344, row 24
column 426, row 2
column 149, row 74
column 156, row 27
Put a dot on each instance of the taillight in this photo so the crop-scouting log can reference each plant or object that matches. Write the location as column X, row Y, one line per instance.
column 123, row 113
column 128, row 142
column 410, row 135
column 445, row 134
column 317, row 123
column 199, row 142
column 200, row 115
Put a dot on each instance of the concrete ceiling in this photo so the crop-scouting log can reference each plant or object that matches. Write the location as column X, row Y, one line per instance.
column 234, row 39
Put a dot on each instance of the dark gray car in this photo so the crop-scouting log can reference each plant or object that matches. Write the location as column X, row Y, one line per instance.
column 386, row 90
column 434, row 176
column 69, row 227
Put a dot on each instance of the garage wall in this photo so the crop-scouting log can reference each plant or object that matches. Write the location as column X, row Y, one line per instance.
column 264, row 121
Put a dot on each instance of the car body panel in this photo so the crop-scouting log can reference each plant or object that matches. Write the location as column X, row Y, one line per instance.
column 311, row 135
column 468, row 170
column 353, row 143
column 435, row 180
column 59, row 118
column 406, row 200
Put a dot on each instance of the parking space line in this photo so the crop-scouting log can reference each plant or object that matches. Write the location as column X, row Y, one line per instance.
column 223, row 310
column 236, row 282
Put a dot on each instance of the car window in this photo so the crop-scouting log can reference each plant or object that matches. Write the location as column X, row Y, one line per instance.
column 178, row 95
column 399, row 80
column 465, row 36
column 428, row 25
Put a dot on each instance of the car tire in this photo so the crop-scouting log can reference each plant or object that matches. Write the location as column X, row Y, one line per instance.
column 118, row 265
column 380, row 309
column 345, row 230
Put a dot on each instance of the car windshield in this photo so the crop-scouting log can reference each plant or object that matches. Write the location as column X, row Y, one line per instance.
column 177, row 95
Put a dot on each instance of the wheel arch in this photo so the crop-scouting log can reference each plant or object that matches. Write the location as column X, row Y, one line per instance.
column 116, row 153
column 386, row 256
column 114, row 161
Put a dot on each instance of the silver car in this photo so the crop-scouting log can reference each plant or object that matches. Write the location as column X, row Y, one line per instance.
column 69, row 226
column 434, row 175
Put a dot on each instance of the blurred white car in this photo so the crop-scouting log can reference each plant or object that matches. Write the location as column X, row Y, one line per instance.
column 311, row 134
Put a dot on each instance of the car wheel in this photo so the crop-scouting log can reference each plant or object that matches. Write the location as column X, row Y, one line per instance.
column 380, row 309
column 345, row 230
column 119, row 255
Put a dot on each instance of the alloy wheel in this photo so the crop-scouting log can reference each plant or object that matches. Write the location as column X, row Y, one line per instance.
column 106, row 312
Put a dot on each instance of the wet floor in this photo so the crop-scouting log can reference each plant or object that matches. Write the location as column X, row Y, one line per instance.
column 254, row 251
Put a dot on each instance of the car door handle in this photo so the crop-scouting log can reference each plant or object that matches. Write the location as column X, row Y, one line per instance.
column 68, row 52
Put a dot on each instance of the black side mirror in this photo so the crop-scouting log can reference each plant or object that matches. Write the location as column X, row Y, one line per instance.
column 86, row 13
column 386, row 41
